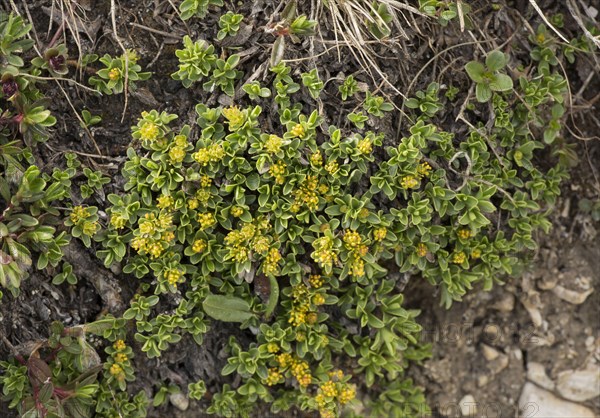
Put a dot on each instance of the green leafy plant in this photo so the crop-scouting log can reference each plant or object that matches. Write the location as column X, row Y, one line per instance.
column 63, row 376
column 229, row 24
column 111, row 79
column 89, row 119
column 255, row 91
column 312, row 82
column 488, row 77
column 348, row 88
column 197, row 8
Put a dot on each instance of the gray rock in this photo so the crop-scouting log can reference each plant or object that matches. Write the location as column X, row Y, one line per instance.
column 537, row 374
column 536, row 402
column 579, row 385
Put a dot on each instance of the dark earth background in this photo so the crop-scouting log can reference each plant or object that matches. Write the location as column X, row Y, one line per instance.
column 482, row 347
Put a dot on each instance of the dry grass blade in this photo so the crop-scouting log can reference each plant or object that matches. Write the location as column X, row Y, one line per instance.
column 351, row 21
column 546, row 21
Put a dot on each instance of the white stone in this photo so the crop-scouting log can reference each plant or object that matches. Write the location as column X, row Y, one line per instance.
column 536, row 373
column 539, row 403
column 579, row 385
column 179, row 401
column 468, row 406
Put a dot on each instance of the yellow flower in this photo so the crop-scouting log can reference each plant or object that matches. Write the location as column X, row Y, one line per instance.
column 90, row 228
column 272, row 348
column 459, row 257
column 273, row 144
column 193, row 203
column 119, row 345
column 236, row 211
column 180, row 141
column 115, row 370
column 464, row 233
column 278, row 171
column 476, row 253
column 273, row 377
column 318, row 299
column 234, row 116
column 173, row 276
column 79, row 213
column 352, row 239
column 199, row 245
column 379, row 234
column 424, row 169
column 328, row 388
column 206, row 220
column 332, row 167
column 155, row 250
column 177, row 155
column 114, row 74
column 120, row 358
column 149, row 131
column 165, row 201
column 409, row 182
column 298, row 130
column 315, row 280
column 117, row 221
column 365, row 146
column 316, row 159
column 347, row 394
column 421, row 249
column 205, row 181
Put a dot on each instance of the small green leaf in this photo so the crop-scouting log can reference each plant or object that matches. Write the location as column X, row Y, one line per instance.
column 475, row 70
column 483, row 92
column 227, row 308
column 495, row 60
column 501, row 82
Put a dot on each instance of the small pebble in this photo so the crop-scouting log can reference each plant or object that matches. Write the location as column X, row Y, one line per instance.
column 468, row 406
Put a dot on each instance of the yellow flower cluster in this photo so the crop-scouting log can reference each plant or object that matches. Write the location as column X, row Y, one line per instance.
column 298, row 130
column 149, row 131
column 324, row 254
column 315, row 280
column 459, row 257
column 116, row 370
column 165, row 202
column 114, row 74
column 274, row 376
column 173, row 276
column 316, row 159
column 300, row 305
column 270, row 265
column 205, row 181
column 379, row 234
column 278, row 172
column 318, row 299
column 119, row 345
column 272, row 348
column 352, row 239
column 301, row 371
column 234, row 116
column 253, row 236
column 421, row 249
column 476, row 253
column 409, row 182
column 206, row 220
column 353, row 242
column 273, row 144
column 365, row 146
column 464, row 233
column 199, row 245
column 332, row 167
column 153, row 236
column 79, row 213
column 210, row 154
column 120, row 358
column 118, row 221
column 236, row 211
column 332, row 392
column 306, row 195
column 177, row 154
column 424, row 169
